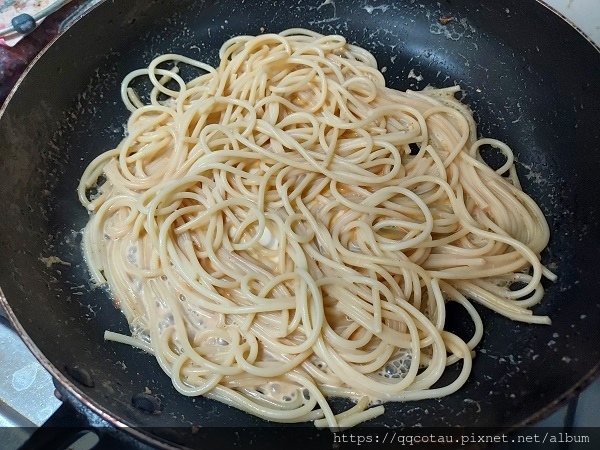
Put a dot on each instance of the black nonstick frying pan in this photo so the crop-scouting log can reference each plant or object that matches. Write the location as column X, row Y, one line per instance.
column 531, row 79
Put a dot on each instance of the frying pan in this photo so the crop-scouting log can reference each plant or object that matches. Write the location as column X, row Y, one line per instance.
column 531, row 79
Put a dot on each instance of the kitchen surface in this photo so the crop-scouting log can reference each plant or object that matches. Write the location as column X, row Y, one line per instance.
column 26, row 389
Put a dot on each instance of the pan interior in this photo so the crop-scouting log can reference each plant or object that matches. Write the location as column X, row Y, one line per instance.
column 68, row 110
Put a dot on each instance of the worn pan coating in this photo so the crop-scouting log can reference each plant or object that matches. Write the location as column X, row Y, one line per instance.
column 531, row 79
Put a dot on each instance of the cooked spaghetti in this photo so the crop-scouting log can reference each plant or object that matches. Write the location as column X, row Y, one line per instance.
column 285, row 228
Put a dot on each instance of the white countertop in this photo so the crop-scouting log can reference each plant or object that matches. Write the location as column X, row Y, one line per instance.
column 585, row 14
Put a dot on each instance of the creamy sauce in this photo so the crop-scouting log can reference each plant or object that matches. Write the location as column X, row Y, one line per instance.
column 396, row 368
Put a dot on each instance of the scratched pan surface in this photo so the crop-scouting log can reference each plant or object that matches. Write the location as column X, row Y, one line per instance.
column 531, row 79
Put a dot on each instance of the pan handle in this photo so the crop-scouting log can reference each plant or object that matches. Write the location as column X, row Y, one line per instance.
column 67, row 428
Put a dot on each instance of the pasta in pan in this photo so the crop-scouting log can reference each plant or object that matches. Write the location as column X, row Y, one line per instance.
column 285, row 228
